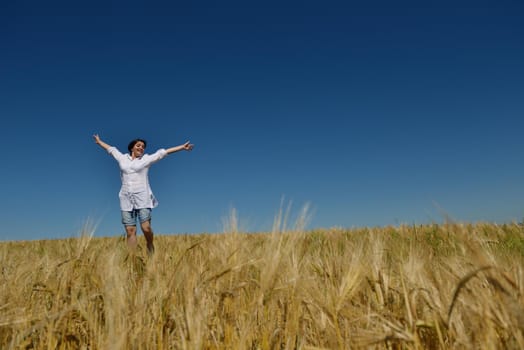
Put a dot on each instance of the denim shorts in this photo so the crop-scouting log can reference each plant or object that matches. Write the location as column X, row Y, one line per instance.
column 129, row 218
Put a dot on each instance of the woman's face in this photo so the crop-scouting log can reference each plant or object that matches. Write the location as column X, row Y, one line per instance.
column 138, row 149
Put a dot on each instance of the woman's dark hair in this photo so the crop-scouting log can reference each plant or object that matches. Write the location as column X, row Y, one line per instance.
column 133, row 143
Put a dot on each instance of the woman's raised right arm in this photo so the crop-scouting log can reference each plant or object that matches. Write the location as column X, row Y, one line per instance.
column 100, row 142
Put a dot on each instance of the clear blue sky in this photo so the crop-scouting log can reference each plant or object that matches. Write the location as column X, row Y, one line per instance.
column 374, row 112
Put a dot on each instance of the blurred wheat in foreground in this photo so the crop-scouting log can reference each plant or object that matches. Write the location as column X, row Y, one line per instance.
column 449, row 286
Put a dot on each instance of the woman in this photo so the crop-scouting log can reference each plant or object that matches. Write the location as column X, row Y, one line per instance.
column 136, row 197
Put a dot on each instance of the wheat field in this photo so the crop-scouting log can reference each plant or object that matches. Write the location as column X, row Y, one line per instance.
column 440, row 286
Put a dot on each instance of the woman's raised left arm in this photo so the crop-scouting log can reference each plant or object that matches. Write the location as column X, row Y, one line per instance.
column 184, row 147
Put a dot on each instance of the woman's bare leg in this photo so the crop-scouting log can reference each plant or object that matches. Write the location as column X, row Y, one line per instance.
column 148, row 234
column 131, row 236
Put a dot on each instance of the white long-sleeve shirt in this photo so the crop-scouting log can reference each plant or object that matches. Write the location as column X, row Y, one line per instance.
column 135, row 192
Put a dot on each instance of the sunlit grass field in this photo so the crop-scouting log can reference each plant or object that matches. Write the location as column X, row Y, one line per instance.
column 446, row 286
